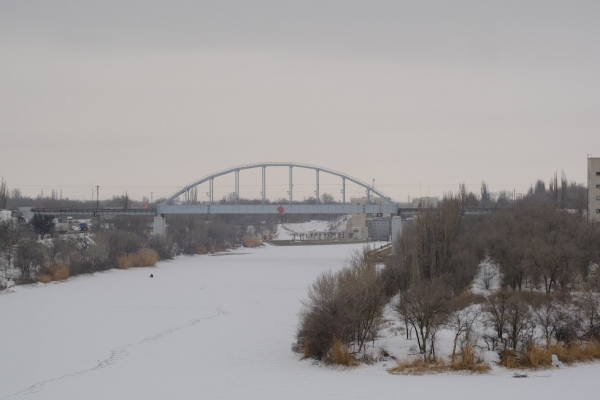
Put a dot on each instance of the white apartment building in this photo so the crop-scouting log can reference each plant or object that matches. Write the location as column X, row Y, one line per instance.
column 594, row 188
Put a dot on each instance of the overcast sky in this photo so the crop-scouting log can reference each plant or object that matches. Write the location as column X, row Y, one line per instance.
column 147, row 96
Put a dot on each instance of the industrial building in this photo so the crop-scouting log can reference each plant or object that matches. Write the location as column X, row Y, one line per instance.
column 593, row 188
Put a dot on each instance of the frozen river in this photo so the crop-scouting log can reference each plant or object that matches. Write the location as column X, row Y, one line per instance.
column 210, row 327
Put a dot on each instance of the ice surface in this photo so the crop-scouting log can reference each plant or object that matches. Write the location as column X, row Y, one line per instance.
column 210, row 327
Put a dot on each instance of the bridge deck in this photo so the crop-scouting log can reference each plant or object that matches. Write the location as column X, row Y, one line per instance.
column 279, row 209
column 256, row 209
column 232, row 209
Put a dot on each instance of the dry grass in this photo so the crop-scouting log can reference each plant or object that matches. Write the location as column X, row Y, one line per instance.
column 251, row 241
column 306, row 350
column 535, row 357
column 143, row 258
column 419, row 367
column 61, row 273
column 468, row 361
column 510, row 359
column 340, row 355
column 58, row 273
column 201, row 249
column 577, row 352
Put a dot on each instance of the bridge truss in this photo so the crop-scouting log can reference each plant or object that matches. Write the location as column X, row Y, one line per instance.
column 385, row 205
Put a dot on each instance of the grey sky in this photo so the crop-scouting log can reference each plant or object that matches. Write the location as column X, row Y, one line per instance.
column 146, row 96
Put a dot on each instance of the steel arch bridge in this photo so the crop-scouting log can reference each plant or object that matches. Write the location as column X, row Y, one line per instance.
column 385, row 205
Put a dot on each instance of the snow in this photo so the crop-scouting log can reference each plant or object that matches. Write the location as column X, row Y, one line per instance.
column 5, row 215
column 488, row 271
column 213, row 327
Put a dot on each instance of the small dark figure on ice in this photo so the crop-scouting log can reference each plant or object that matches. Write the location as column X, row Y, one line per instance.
column 151, row 276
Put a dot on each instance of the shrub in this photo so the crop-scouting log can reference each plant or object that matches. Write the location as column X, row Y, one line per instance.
column 142, row 258
column 162, row 247
column 346, row 305
column 251, row 241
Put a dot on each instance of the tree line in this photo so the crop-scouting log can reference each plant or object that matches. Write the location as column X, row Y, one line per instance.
column 543, row 257
column 24, row 258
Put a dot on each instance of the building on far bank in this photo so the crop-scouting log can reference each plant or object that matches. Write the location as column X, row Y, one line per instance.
column 593, row 188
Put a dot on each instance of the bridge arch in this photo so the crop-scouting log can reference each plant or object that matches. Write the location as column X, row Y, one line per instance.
column 210, row 177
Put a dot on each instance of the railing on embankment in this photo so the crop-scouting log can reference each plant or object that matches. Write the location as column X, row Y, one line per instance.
column 314, row 242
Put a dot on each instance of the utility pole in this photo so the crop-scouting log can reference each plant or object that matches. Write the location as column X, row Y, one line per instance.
column 97, row 196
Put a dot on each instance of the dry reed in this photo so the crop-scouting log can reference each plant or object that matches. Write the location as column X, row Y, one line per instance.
column 340, row 355
column 536, row 357
column 251, row 241
column 57, row 273
column 143, row 258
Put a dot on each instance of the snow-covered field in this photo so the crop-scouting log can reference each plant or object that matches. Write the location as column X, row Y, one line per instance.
column 212, row 327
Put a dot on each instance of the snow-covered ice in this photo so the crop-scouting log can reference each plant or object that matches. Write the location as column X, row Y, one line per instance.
column 211, row 327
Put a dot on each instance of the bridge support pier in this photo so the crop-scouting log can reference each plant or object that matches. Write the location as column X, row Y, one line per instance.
column 396, row 233
column 237, row 185
column 291, row 186
column 159, row 228
column 317, row 191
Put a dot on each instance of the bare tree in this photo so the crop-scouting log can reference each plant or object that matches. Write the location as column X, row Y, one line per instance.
column 488, row 272
column 327, row 198
column 3, row 194
column 485, row 194
column 462, row 193
column 550, row 314
column 29, row 260
column 564, row 185
column 364, row 293
column 503, row 198
column 425, row 308
column 462, row 315
column 505, row 245
column 589, row 304
column 518, row 318
column 496, row 312
column 553, row 188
